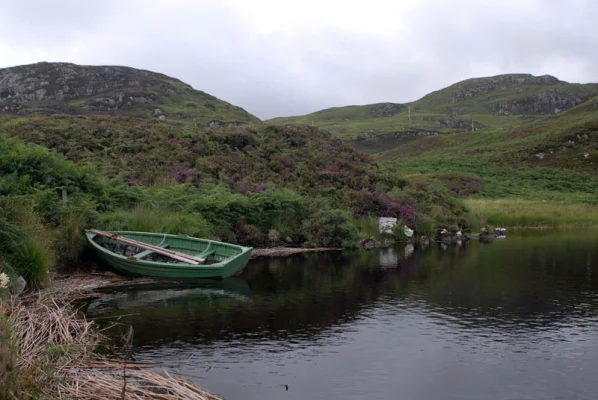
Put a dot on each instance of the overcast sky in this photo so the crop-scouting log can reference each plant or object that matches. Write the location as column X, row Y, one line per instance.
column 290, row 57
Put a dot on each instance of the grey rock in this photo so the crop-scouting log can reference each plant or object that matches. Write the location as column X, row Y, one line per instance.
column 550, row 102
column 500, row 232
column 387, row 109
column 19, row 286
column 424, row 241
column 475, row 87
column 104, row 88
column 369, row 244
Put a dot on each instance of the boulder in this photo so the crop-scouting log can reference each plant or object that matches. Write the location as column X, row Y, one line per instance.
column 387, row 225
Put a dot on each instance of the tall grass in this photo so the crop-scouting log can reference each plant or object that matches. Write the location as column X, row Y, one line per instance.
column 367, row 227
column 25, row 244
column 33, row 259
column 528, row 213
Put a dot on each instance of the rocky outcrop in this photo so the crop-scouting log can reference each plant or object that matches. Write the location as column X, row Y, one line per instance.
column 551, row 102
column 64, row 82
column 475, row 87
column 387, row 109
column 413, row 133
column 75, row 89
column 454, row 123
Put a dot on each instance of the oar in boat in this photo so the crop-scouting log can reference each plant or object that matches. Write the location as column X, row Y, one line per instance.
column 184, row 257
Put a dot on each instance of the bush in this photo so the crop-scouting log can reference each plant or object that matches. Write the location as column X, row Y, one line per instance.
column 331, row 228
column 146, row 219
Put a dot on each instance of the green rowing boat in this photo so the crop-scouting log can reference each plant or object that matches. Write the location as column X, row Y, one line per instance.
column 170, row 256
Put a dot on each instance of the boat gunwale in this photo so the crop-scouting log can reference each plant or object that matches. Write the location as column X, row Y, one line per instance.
column 220, row 264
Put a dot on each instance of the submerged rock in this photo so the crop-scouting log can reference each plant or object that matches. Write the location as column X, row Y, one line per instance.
column 369, row 244
column 486, row 237
column 424, row 241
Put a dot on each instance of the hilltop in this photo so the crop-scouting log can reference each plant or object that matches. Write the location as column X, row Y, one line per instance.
column 480, row 104
column 64, row 88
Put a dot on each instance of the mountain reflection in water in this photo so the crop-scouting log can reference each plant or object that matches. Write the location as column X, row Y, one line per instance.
column 512, row 319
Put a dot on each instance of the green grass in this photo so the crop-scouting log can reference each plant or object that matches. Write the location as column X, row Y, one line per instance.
column 429, row 112
column 368, row 228
column 504, row 163
column 531, row 214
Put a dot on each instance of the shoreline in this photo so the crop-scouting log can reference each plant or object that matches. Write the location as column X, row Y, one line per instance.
column 288, row 251
column 80, row 284
column 64, row 342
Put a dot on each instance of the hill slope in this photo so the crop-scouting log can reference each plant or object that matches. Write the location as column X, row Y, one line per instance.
column 51, row 88
column 504, row 101
column 552, row 158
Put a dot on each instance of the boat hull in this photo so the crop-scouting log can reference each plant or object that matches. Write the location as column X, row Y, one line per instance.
column 229, row 259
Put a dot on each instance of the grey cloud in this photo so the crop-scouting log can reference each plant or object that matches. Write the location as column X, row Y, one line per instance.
column 219, row 48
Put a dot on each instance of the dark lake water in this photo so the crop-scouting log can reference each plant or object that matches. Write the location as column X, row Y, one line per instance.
column 515, row 319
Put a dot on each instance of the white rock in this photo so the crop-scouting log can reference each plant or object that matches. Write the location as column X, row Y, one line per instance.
column 387, row 224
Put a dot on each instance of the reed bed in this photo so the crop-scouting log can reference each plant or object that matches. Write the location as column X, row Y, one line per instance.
column 55, row 351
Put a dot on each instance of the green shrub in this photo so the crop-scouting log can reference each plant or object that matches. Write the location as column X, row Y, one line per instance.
column 145, row 219
column 69, row 236
column 425, row 226
column 25, row 244
column 192, row 224
column 331, row 228
column 33, row 260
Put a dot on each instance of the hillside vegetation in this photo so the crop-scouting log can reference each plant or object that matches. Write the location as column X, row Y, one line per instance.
column 253, row 184
column 481, row 104
column 541, row 167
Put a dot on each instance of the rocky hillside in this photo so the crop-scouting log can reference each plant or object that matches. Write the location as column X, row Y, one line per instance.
column 551, row 158
column 504, row 101
column 61, row 88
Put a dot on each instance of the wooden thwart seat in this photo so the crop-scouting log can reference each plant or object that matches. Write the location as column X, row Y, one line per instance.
column 207, row 252
column 146, row 253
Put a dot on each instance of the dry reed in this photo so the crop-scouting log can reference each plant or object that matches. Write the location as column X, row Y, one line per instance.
column 56, row 346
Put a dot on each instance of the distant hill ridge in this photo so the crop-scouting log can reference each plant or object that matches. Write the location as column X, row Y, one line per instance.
column 502, row 101
column 64, row 88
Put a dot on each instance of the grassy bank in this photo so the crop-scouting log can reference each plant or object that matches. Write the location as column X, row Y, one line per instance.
column 531, row 214
column 257, row 186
